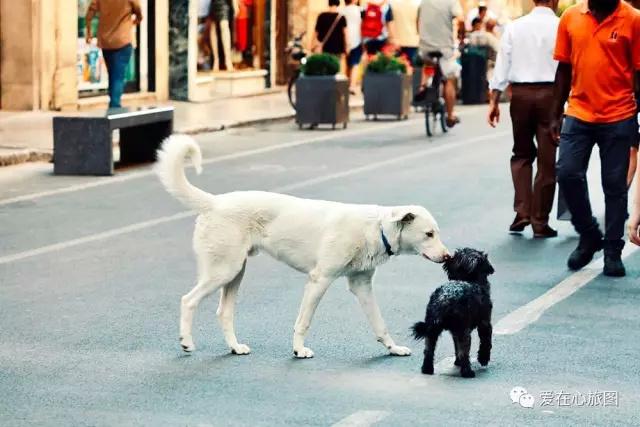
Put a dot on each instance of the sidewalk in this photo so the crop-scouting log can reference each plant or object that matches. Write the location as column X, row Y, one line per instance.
column 28, row 136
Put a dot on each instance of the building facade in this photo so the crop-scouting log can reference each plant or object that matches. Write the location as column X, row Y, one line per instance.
column 45, row 63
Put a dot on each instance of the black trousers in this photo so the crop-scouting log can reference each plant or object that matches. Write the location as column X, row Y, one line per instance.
column 576, row 144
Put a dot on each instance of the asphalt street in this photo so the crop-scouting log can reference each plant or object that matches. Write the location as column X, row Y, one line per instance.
column 92, row 271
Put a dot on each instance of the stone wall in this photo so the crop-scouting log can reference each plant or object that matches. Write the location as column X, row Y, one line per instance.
column 298, row 10
column 38, row 54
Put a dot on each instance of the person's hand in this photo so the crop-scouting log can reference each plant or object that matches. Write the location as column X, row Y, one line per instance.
column 633, row 226
column 555, row 128
column 88, row 37
column 494, row 114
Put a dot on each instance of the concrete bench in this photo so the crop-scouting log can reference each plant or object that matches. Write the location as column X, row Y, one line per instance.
column 82, row 145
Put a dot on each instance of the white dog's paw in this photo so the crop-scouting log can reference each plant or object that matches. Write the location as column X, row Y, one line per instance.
column 240, row 349
column 187, row 344
column 304, row 353
column 398, row 350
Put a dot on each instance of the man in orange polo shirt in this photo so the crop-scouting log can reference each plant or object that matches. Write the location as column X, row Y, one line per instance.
column 598, row 49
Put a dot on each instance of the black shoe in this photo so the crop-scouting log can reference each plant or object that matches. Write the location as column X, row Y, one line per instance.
column 545, row 232
column 519, row 224
column 587, row 248
column 613, row 266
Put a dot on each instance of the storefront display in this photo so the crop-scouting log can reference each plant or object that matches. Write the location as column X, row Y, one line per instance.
column 231, row 35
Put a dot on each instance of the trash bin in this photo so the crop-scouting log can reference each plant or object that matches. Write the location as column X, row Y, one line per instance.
column 474, row 75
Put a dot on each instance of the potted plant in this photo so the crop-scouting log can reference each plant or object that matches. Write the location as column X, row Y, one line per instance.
column 387, row 87
column 322, row 95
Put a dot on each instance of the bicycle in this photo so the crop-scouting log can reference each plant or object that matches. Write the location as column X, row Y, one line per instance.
column 434, row 105
column 298, row 55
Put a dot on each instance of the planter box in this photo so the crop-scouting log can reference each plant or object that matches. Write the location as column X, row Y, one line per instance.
column 387, row 94
column 322, row 100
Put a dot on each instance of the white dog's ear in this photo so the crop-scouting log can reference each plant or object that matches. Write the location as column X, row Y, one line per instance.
column 404, row 217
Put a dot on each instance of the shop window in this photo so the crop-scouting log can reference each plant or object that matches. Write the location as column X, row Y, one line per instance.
column 231, row 34
column 90, row 66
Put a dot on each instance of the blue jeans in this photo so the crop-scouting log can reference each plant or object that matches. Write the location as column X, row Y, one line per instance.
column 576, row 144
column 117, row 61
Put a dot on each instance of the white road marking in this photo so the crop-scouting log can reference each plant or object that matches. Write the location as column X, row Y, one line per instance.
column 93, row 237
column 362, row 419
column 162, row 220
column 98, row 182
column 531, row 312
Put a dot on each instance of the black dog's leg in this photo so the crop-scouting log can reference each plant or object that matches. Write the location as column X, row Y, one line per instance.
column 429, row 349
column 456, row 345
column 464, row 347
column 484, row 333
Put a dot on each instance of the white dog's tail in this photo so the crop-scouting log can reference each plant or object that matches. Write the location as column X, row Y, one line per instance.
column 170, row 170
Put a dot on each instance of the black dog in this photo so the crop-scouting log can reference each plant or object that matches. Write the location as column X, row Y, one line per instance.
column 460, row 306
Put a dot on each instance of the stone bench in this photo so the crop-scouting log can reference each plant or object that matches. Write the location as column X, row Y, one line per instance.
column 83, row 145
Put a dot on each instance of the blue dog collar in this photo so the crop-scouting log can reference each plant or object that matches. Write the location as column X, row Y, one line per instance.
column 385, row 242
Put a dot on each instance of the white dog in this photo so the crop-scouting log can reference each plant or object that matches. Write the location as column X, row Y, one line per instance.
column 325, row 240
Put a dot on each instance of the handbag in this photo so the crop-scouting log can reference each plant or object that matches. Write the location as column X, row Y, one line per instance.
column 318, row 48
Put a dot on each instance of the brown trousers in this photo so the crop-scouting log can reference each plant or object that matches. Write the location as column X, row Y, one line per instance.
column 530, row 106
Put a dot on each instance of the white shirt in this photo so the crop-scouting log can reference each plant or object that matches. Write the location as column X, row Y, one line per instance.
column 353, row 15
column 405, row 17
column 526, row 51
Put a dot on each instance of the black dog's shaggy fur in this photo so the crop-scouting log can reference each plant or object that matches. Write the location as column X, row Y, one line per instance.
column 460, row 306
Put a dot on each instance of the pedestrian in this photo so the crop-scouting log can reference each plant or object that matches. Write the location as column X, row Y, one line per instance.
column 436, row 22
column 479, row 37
column 405, row 18
column 633, row 161
column 331, row 31
column 377, row 26
column 525, row 61
column 116, row 19
column 353, row 15
column 634, row 220
column 481, row 12
column 601, row 110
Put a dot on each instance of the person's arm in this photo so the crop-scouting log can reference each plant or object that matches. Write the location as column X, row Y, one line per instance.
column 634, row 220
column 137, row 11
column 633, row 225
column 561, row 90
column 500, row 79
column 457, row 15
column 494, row 42
column 391, row 26
column 345, row 34
column 562, row 85
column 92, row 10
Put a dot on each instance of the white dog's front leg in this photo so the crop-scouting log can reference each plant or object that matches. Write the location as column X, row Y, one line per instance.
column 360, row 285
column 313, row 293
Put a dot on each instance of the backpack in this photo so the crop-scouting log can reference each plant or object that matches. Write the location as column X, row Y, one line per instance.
column 372, row 25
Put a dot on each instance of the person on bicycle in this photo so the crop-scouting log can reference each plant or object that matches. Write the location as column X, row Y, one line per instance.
column 437, row 20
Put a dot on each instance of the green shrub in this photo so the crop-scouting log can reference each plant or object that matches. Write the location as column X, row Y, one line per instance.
column 384, row 64
column 321, row 64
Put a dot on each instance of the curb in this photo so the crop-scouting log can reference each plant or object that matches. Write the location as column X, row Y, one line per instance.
column 25, row 155
column 206, row 129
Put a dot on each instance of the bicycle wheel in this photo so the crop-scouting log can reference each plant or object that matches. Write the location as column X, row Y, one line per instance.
column 291, row 90
column 443, row 118
column 427, row 119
